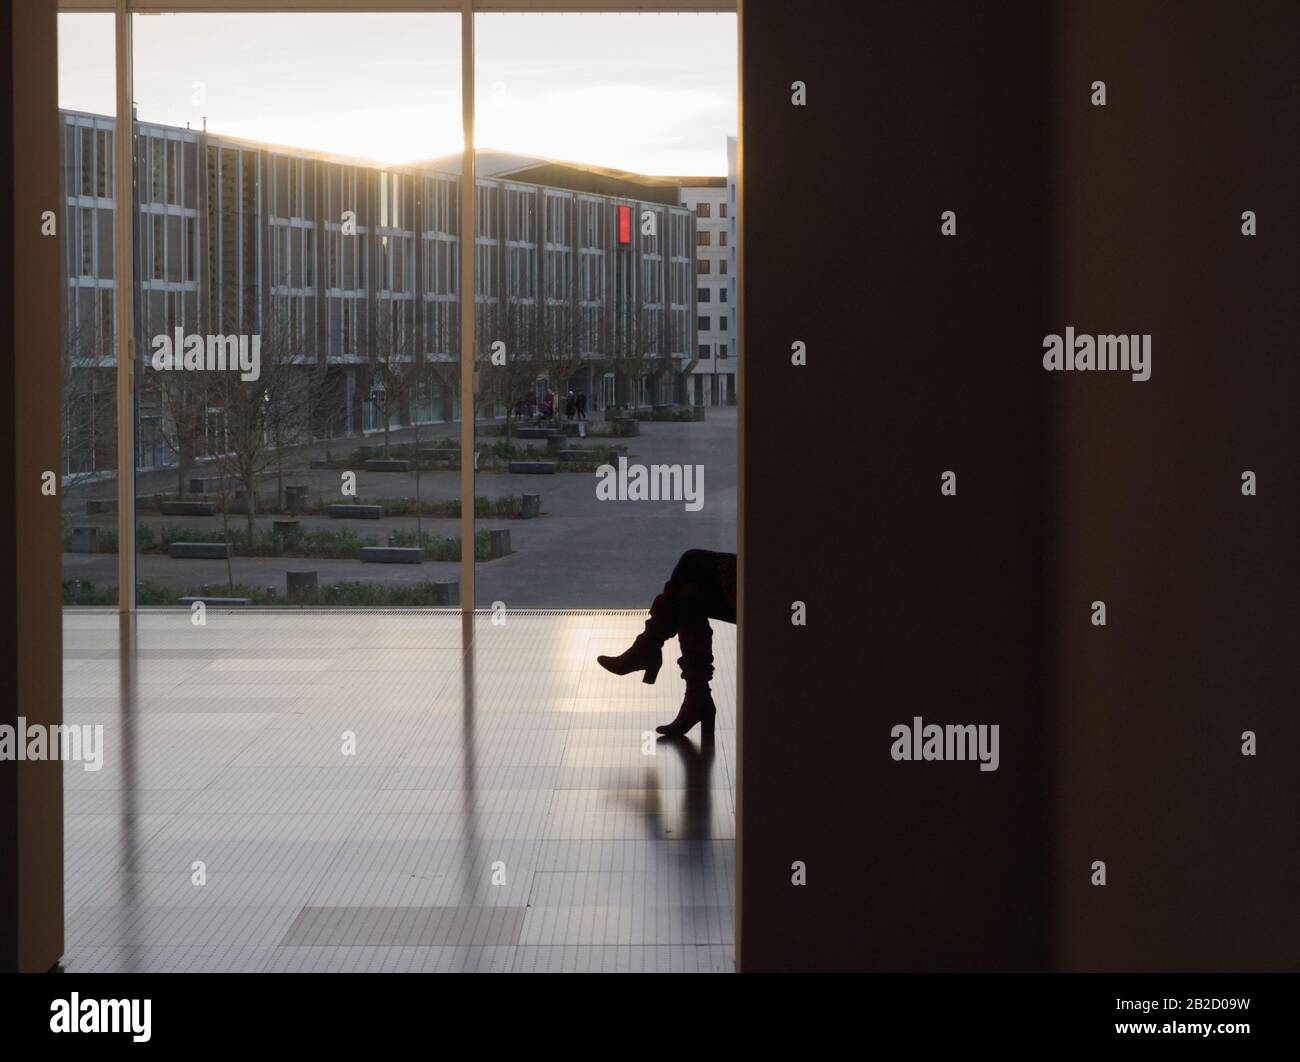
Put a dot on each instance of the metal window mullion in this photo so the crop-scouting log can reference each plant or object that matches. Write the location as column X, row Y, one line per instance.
column 468, row 233
column 124, row 275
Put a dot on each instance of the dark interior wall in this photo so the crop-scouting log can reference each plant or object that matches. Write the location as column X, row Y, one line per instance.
column 922, row 358
column 1202, row 585
column 8, row 539
column 31, row 794
column 1120, row 743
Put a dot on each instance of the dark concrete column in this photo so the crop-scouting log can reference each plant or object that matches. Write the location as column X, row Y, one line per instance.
column 31, row 794
column 924, row 605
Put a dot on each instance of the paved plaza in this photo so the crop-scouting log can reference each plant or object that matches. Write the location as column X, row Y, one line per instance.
column 581, row 553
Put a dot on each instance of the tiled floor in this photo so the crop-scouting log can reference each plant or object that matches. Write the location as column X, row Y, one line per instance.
column 388, row 791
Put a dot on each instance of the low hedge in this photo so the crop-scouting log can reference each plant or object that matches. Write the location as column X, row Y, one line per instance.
column 336, row 595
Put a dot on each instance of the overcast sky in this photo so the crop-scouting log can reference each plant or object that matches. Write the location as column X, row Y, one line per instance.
column 651, row 93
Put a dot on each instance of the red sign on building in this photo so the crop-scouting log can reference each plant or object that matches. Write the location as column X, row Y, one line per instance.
column 625, row 224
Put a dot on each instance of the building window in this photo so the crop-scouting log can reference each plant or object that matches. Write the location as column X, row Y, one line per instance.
column 703, row 266
column 722, row 239
column 722, row 350
column 87, row 242
column 722, row 267
column 705, row 323
column 722, row 210
column 104, row 181
column 704, row 210
column 722, row 323
column 722, row 294
column 106, row 320
column 704, row 350
column 173, row 171
column 156, row 171
column 191, row 250
column 704, row 295
column 703, row 239
column 157, row 233
column 87, row 162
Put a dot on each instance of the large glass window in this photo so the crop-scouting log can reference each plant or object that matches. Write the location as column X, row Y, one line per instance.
column 296, row 299
column 605, row 447
column 297, row 316
column 87, row 341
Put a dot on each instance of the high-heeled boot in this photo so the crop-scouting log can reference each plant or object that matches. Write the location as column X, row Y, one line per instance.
column 646, row 653
column 696, row 663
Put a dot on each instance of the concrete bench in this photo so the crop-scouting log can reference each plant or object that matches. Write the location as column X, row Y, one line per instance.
column 386, row 464
column 85, row 540
column 299, row 582
column 198, row 550
column 532, row 507
column 216, row 602
column 354, row 512
column 533, row 468
column 392, row 554
column 205, row 484
column 446, row 594
column 188, row 508
column 535, row 433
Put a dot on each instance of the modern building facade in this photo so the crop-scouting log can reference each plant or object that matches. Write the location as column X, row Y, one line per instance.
column 349, row 272
column 713, row 376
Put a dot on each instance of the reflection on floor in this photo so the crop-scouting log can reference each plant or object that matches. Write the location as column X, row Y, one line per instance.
column 388, row 791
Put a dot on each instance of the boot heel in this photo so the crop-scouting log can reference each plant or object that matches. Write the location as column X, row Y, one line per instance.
column 706, row 727
column 652, row 672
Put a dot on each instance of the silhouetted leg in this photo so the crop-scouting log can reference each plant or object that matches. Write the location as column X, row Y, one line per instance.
column 694, row 593
column 695, row 603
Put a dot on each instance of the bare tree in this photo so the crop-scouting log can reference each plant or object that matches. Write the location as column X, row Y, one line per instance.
column 262, row 418
column 558, row 347
column 393, row 360
column 405, row 377
column 183, row 404
column 88, row 405
column 511, row 376
column 635, row 351
column 293, row 381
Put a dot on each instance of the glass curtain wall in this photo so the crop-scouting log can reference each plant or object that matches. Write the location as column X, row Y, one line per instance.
column 606, row 429
column 297, row 250
column 297, row 226
column 87, row 348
